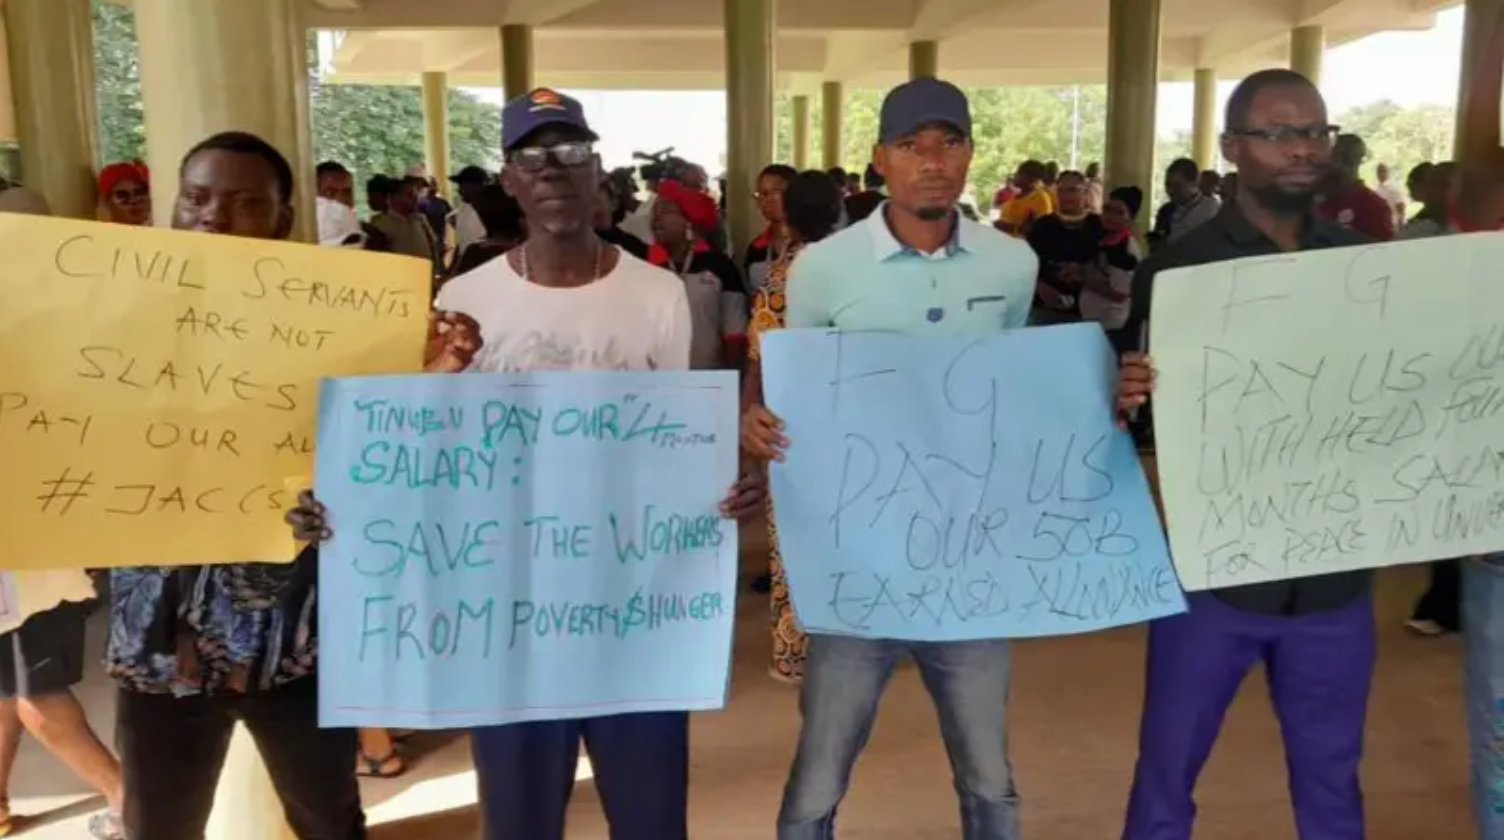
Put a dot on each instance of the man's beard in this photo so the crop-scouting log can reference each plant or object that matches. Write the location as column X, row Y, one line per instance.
column 932, row 214
column 1284, row 202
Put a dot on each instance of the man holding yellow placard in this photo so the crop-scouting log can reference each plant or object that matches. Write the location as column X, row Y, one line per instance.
column 197, row 649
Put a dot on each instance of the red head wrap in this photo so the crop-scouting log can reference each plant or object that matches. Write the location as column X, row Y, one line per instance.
column 698, row 207
column 111, row 176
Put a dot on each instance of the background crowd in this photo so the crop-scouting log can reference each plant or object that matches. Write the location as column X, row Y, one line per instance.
column 666, row 213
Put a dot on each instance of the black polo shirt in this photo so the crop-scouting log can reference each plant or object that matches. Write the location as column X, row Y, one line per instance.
column 1230, row 236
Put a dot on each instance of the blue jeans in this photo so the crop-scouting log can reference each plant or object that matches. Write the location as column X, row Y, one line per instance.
column 1483, row 632
column 843, row 682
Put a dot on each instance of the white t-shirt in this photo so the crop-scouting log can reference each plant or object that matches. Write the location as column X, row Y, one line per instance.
column 1395, row 199
column 1111, row 314
column 635, row 318
column 468, row 228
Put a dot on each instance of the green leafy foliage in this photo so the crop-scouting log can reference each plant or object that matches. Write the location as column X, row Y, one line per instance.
column 122, row 131
column 1014, row 124
column 379, row 129
column 369, row 128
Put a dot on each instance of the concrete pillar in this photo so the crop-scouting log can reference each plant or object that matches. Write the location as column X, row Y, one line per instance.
column 51, row 58
column 1204, row 119
column 1132, row 89
column 924, row 59
column 197, row 80
column 1307, row 49
column 801, row 133
column 832, row 113
column 436, row 128
column 8, row 131
column 750, row 30
column 1479, row 89
column 516, row 60
column 10, row 158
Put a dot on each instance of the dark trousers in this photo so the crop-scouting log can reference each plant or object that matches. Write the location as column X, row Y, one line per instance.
column 172, row 750
column 1442, row 601
column 641, row 763
column 1319, row 667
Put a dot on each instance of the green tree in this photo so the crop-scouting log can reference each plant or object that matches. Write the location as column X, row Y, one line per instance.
column 860, row 130
column 368, row 128
column 122, row 132
column 379, row 128
column 1010, row 125
column 1401, row 137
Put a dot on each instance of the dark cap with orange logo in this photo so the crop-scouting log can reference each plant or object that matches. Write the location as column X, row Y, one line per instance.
column 540, row 108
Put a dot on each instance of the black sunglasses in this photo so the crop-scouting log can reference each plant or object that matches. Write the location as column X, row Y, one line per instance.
column 534, row 158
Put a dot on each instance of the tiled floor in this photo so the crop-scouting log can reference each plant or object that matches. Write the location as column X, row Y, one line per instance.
column 1074, row 717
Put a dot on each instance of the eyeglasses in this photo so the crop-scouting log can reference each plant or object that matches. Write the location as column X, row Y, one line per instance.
column 534, row 158
column 766, row 194
column 1287, row 134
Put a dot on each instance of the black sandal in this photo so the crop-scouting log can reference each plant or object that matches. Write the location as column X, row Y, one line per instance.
column 375, row 768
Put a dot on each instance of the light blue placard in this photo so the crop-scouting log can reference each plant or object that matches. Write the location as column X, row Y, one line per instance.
column 940, row 489
column 525, row 547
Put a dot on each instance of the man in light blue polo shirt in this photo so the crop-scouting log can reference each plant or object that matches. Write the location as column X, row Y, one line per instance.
column 915, row 266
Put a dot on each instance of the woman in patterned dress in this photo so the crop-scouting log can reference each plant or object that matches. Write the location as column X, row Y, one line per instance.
column 812, row 207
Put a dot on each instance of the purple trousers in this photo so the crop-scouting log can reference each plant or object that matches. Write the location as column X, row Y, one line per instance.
column 1319, row 666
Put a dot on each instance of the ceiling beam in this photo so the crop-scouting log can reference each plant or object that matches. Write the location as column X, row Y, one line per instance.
column 1343, row 14
column 850, row 54
column 1231, row 45
column 450, row 49
column 940, row 19
column 539, row 12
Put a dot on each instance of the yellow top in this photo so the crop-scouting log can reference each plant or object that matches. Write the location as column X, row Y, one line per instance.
column 1024, row 210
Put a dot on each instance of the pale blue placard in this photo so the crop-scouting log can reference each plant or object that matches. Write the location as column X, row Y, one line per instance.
column 940, row 489
column 525, row 547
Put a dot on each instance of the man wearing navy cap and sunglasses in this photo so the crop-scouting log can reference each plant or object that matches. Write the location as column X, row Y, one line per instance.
column 915, row 266
column 567, row 300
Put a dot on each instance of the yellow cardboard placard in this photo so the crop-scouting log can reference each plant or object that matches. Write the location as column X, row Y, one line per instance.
column 158, row 389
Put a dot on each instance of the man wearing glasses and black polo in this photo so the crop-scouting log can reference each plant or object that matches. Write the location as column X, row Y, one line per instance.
column 1314, row 635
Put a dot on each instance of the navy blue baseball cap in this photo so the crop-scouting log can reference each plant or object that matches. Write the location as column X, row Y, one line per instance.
column 925, row 101
column 540, row 108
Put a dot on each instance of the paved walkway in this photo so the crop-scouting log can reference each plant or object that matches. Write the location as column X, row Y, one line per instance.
column 1075, row 711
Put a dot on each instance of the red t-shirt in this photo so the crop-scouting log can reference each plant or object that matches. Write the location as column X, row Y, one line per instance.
column 1360, row 208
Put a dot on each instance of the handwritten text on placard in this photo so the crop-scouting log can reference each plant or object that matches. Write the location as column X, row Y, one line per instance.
column 523, row 547
column 1331, row 410
column 941, row 489
column 158, row 388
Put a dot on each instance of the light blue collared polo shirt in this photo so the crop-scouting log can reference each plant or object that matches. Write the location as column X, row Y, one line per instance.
column 863, row 278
